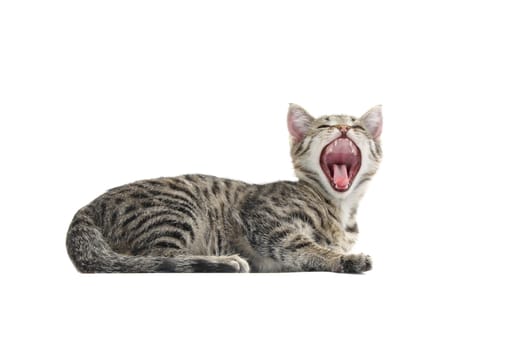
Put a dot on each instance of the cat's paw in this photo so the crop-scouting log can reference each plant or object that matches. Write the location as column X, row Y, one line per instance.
column 238, row 263
column 230, row 263
column 356, row 263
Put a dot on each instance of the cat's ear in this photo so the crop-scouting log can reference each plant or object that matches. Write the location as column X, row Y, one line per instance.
column 373, row 121
column 299, row 122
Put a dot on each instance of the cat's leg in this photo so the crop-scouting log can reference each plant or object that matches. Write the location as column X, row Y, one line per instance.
column 204, row 263
column 177, row 261
column 300, row 253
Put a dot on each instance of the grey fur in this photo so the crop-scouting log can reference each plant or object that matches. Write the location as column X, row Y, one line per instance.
column 197, row 223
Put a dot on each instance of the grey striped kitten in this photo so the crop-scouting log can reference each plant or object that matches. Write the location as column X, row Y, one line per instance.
column 198, row 223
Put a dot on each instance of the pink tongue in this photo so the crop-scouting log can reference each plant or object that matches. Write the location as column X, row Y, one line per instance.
column 341, row 179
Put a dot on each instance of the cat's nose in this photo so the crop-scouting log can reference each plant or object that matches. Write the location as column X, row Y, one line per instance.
column 343, row 128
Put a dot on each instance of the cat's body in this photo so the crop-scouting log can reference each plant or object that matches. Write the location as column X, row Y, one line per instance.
column 197, row 223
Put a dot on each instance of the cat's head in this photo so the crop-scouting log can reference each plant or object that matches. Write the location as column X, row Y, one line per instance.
column 337, row 153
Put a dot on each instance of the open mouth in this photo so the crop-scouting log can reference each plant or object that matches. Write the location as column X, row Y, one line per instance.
column 340, row 161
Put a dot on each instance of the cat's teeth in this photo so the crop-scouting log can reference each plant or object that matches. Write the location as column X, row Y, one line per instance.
column 340, row 160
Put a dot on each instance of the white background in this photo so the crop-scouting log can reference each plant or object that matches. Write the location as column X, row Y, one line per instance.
column 97, row 94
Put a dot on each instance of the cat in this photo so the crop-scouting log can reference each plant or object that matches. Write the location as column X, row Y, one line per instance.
column 198, row 223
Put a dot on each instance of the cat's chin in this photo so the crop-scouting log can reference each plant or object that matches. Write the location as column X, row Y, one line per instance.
column 340, row 161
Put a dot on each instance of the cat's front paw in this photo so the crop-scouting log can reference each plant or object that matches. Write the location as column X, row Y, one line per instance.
column 356, row 263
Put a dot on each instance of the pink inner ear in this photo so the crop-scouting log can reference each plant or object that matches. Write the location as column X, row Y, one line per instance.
column 373, row 121
column 294, row 128
column 378, row 128
column 298, row 122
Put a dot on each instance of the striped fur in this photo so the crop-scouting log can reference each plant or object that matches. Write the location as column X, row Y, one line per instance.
column 198, row 223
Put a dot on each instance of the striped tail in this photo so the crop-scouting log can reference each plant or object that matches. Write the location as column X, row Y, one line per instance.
column 90, row 253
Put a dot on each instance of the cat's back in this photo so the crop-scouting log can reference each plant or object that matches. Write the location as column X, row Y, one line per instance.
column 283, row 195
column 183, row 201
column 194, row 188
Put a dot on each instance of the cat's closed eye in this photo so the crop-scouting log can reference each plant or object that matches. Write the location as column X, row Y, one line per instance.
column 358, row 127
column 355, row 127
